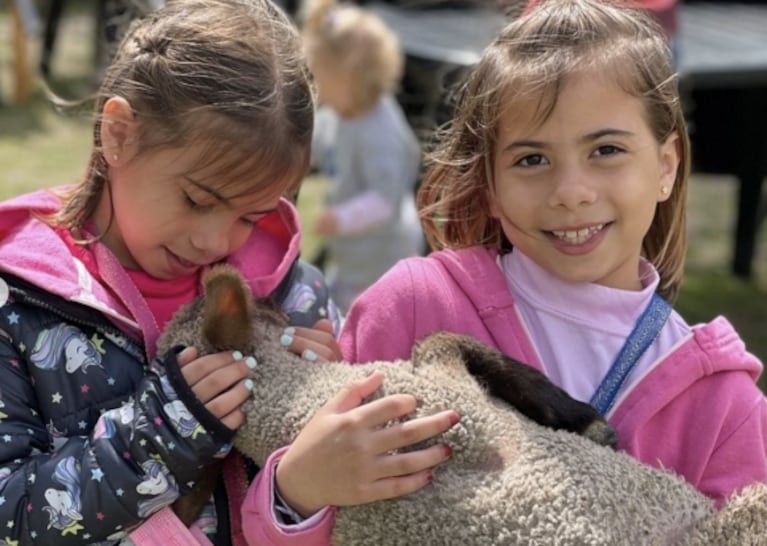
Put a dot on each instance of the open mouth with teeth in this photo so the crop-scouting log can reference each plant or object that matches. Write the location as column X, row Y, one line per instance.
column 577, row 236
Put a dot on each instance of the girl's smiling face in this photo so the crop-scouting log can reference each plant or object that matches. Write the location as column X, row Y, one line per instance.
column 577, row 193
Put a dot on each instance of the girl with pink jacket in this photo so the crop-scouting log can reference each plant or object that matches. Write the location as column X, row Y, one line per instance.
column 556, row 204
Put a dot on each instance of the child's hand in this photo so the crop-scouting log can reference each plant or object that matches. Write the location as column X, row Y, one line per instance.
column 342, row 457
column 219, row 381
column 315, row 344
column 326, row 224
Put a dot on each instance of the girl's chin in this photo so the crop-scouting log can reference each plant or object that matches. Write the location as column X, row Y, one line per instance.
column 180, row 267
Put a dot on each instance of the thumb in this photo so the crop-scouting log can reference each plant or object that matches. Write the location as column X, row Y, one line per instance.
column 353, row 394
column 186, row 356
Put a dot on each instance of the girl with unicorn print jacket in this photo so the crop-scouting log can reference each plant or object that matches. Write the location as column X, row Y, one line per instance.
column 98, row 434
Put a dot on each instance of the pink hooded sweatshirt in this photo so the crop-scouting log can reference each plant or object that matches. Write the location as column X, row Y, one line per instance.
column 697, row 411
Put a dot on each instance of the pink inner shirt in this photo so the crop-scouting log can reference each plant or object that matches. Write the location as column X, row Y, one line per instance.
column 164, row 297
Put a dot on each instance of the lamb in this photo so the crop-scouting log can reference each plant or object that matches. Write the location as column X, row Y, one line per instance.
column 509, row 481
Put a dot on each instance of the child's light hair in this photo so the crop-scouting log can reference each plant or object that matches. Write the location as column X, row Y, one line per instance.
column 227, row 73
column 359, row 43
column 532, row 57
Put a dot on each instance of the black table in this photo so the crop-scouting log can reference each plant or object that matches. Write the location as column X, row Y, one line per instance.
column 722, row 62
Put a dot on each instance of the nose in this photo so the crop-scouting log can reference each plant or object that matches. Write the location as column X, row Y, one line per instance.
column 212, row 239
column 572, row 188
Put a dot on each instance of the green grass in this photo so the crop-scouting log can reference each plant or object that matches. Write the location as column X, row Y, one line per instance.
column 40, row 148
column 708, row 288
column 705, row 294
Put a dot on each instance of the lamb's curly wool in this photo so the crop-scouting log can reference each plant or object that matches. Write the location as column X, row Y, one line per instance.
column 510, row 481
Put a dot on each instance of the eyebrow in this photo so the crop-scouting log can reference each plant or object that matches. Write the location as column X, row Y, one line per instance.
column 223, row 199
column 590, row 137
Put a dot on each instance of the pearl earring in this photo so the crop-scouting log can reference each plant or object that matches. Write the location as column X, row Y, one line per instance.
column 114, row 157
column 663, row 190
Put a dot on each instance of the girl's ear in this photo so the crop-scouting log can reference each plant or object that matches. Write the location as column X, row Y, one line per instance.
column 118, row 132
column 669, row 165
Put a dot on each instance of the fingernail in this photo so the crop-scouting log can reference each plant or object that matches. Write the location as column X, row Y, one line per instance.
column 430, row 476
column 454, row 419
column 309, row 355
column 249, row 384
column 290, row 330
column 286, row 340
column 448, row 450
column 251, row 362
column 237, row 355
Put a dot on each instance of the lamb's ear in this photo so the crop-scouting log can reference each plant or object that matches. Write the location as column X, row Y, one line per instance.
column 228, row 309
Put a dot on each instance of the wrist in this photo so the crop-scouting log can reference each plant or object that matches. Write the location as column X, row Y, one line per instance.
column 285, row 491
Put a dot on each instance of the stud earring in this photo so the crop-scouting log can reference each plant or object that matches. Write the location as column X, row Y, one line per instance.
column 663, row 190
column 114, row 157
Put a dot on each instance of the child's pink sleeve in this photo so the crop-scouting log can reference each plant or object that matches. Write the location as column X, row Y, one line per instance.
column 260, row 526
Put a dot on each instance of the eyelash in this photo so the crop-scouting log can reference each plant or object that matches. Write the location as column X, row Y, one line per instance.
column 614, row 150
column 600, row 151
column 524, row 162
column 192, row 204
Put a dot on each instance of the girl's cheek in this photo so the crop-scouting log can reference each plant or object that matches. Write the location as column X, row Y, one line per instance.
column 240, row 236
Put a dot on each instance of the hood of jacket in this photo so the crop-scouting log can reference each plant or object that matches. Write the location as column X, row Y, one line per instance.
column 713, row 349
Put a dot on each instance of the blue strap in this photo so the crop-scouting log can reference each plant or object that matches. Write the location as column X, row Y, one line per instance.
column 646, row 330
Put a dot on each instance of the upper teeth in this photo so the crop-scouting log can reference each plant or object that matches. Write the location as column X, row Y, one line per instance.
column 578, row 236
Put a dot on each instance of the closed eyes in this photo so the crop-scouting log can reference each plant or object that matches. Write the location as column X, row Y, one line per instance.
column 194, row 205
column 250, row 220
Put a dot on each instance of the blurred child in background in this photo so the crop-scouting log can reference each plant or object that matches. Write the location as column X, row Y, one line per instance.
column 363, row 144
